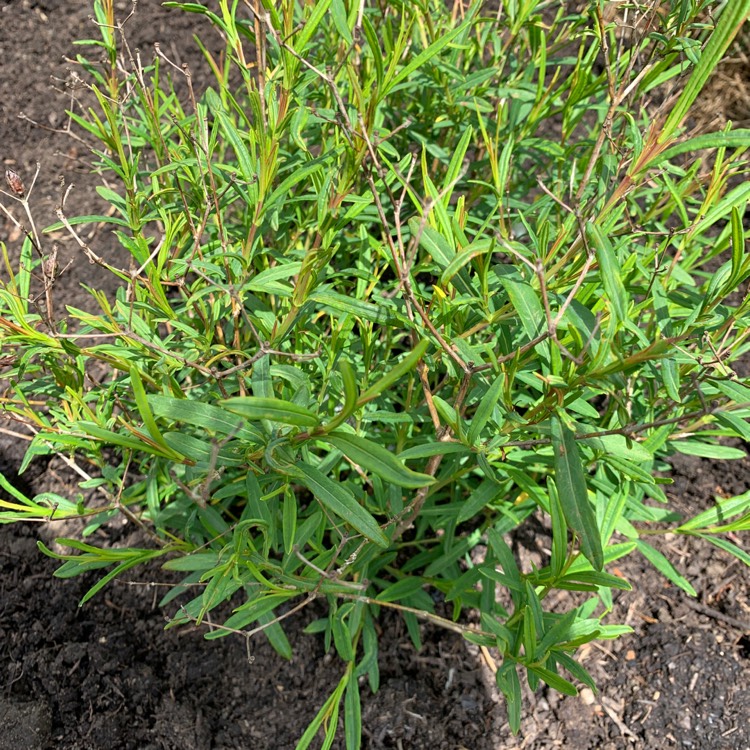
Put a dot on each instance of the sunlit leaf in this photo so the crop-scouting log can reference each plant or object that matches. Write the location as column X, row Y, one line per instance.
column 272, row 409
column 337, row 498
column 369, row 455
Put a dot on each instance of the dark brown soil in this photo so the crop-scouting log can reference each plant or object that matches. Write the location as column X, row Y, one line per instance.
column 108, row 676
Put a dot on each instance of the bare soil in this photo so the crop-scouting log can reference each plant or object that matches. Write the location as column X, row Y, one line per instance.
column 107, row 675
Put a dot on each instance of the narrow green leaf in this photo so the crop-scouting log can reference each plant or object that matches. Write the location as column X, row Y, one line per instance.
column 144, row 410
column 374, row 44
column 529, row 634
column 247, row 170
column 614, row 506
column 102, row 582
column 319, row 11
column 727, row 546
column 250, row 612
column 707, row 450
column 630, row 470
column 438, row 213
column 193, row 561
column 598, row 578
column 487, row 491
column 555, row 681
column 665, row 567
column 454, row 167
column 575, row 669
column 23, row 277
column 328, row 712
column 289, row 520
column 16, row 493
column 349, row 380
column 351, row 393
column 738, row 248
column 717, row 210
column 571, row 486
column 405, row 365
column 261, row 378
column 670, row 372
column 298, row 175
column 737, row 392
column 275, row 280
column 340, row 501
column 375, row 458
column 486, row 408
column 381, row 314
column 401, row 589
column 448, row 414
column 609, row 271
column 274, row 632
column 525, row 301
column 737, row 138
column 424, row 56
column 560, row 632
column 207, row 416
column 370, row 658
column 342, row 638
column 352, row 716
column 559, row 530
column 511, row 575
column 510, row 686
column 620, row 447
column 720, row 514
column 231, row 453
column 115, row 438
column 187, row 7
column 433, row 449
column 462, row 258
column 340, row 20
column 443, row 253
column 273, row 409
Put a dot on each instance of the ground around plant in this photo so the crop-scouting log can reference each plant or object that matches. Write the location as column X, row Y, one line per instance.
column 107, row 675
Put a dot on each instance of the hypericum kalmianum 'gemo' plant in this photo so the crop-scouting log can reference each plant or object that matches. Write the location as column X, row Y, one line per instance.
column 399, row 278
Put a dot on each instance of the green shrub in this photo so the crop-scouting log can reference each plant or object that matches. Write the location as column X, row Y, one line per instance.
column 403, row 277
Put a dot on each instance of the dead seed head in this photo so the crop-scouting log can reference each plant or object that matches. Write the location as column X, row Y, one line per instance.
column 15, row 183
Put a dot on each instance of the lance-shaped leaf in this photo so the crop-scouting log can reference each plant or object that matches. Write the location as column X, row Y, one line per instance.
column 231, row 453
column 352, row 716
column 424, row 56
column 233, row 136
column 381, row 313
column 554, row 680
column 406, row 364
column 375, row 458
column 611, row 273
column 443, row 254
column 486, row 407
column 251, row 611
column 138, row 442
column 340, row 501
column 351, row 392
column 525, row 300
column 665, row 567
column 719, row 515
column 510, row 686
column 207, row 416
column 571, row 487
column 273, row 409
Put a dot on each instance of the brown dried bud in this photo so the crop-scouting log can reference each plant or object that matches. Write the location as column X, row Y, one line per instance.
column 49, row 265
column 15, row 183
